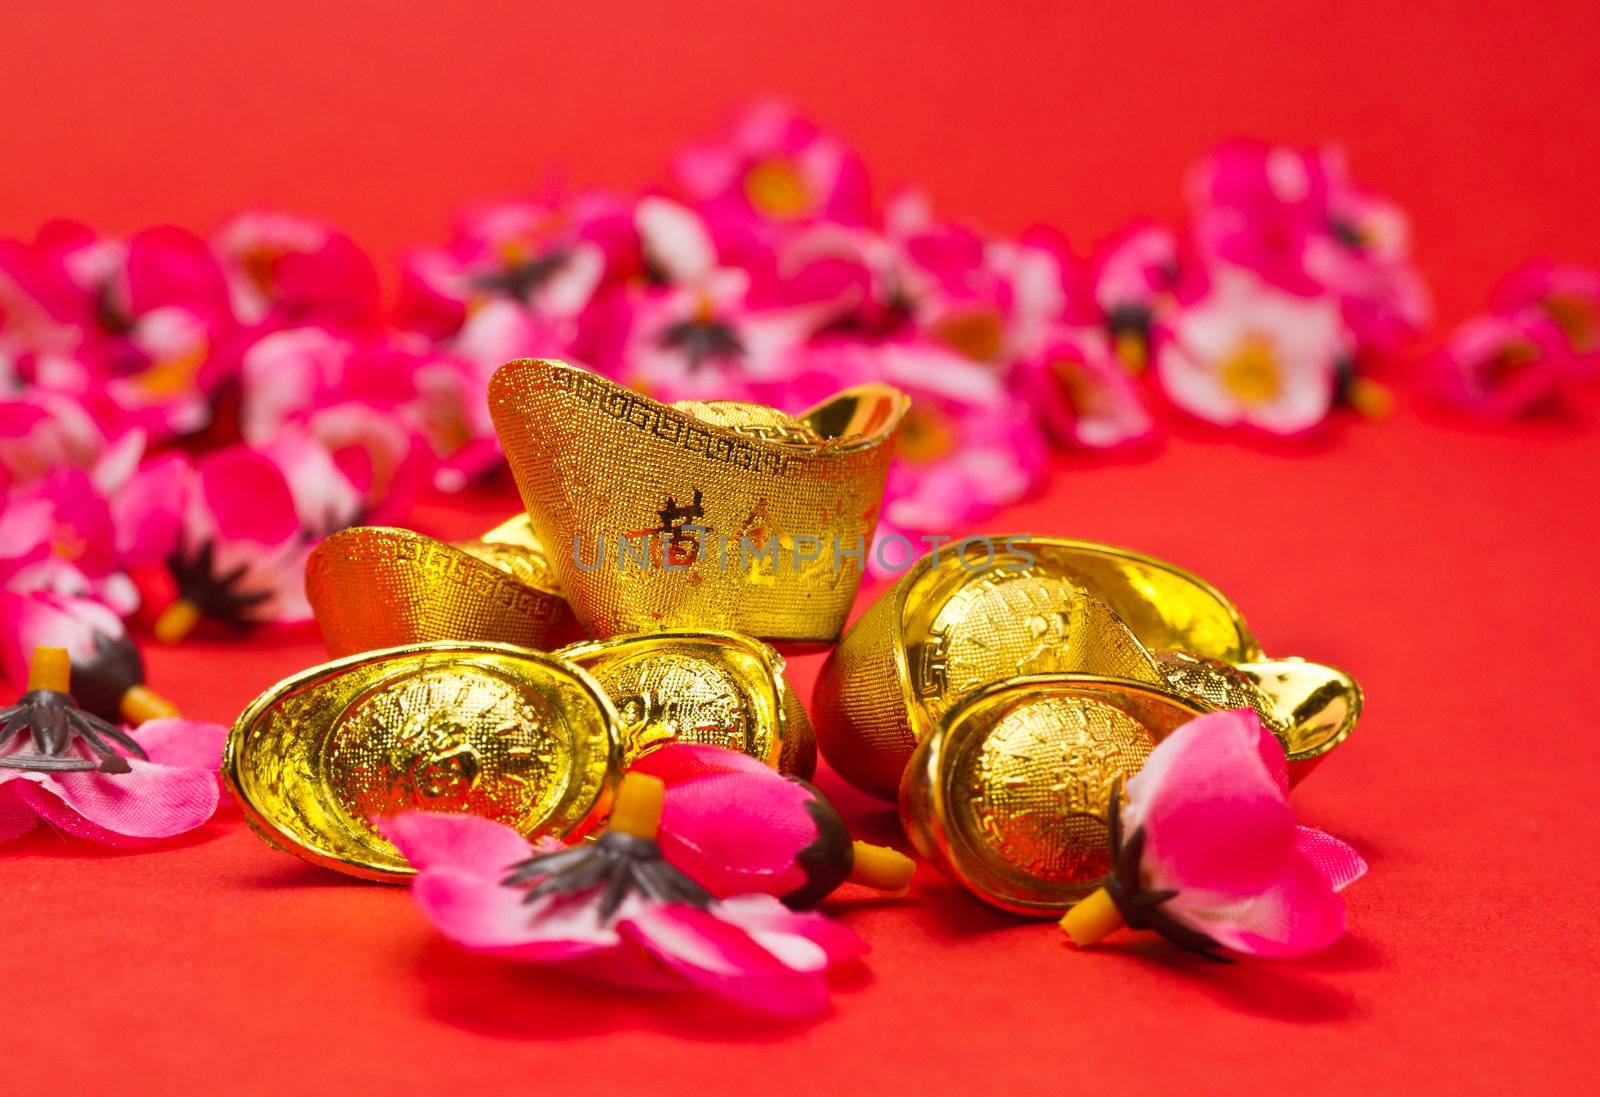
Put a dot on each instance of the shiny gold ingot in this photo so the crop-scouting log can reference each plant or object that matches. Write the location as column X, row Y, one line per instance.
column 1166, row 607
column 949, row 627
column 376, row 587
column 944, row 630
column 1010, row 792
column 715, row 688
column 687, row 488
column 485, row 729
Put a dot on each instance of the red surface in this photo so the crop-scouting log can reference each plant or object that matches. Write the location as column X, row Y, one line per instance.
column 1451, row 569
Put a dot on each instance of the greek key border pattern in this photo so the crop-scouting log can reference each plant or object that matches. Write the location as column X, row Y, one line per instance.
column 673, row 427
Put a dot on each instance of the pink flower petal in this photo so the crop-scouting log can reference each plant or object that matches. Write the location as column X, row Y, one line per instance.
column 1301, row 913
column 766, row 920
column 1216, row 819
column 461, row 843
column 1338, row 863
column 186, row 744
column 149, row 801
column 16, row 817
column 720, row 957
column 480, row 913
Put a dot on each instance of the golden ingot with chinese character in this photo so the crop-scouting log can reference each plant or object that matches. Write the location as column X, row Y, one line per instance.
column 375, row 587
column 1009, row 794
column 485, row 729
column 721, row 515
column 714, row 688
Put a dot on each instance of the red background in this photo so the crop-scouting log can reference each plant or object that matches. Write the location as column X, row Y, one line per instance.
column 1450, row 568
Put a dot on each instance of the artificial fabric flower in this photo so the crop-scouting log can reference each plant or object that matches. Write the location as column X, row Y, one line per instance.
column 91, row 779
column 1501, row 366
column 967, row 446
column 699, row 337
column 148, row 314
column 1294, row 218
column 528, row 254
column 234, row 530
column 1134, row 276
column 773, row 164
column 1205, row 850
column 286, row 270
column 354, row 396
column 58, row 534
column 614, row 910
column 736, row 826
column 108, row 677
column 1249, row 353
column 1082, row 394
column 1569, row 296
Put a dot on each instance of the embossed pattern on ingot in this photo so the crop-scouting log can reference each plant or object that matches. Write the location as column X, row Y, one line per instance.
column 438, row 740
column 944, row 631
column 1010, row 792
column 1037, row 789
column 711, row 688
column 594, row 460
column 375, row 587
column 490, row 729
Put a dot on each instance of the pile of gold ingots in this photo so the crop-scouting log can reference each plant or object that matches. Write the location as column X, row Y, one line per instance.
column 1002, row 690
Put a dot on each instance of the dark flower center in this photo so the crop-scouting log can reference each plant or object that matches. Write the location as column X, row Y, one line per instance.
column 703, row 341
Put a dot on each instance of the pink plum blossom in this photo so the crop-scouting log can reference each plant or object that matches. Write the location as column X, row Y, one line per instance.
column 1249, row 353
column 169, row 787
column 1082, row 395
column 773, row 164
column 1502, row 366
column 1212, row 804
column 749, row 949
column 1569, row 296
column 285, row 270
column 1134, row 277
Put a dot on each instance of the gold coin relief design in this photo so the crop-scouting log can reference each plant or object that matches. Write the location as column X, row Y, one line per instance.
column 438, row 741
column 1220, row 686
column 663, row 697
column 1036, row 791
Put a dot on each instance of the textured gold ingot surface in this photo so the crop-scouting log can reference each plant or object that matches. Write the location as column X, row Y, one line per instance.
column 485, row 729
column 1010, row 793
column 376, row 587
column 944, row 630
column 594, row 460
column 715, row 688
column 1166, row 607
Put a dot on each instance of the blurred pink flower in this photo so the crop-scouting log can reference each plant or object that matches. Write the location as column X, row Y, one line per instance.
column 169, row 787
column 1294, row 217
column 1501, row 366
column 286, row 270
column 773, row 164
column 1248, row 353
column 749, row 949
column 1208, row 823
column 1135, row 275
column 526, row 255
column 58, row 535
column 1083, row 396
column 106, row 663
column 1569, row 296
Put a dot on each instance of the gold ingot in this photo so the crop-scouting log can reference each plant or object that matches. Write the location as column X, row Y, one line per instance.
column 376, row 587
column 1010, row 793
column 721, row 515
column 946, row 629
column 484, row 729
column 1167, row 607
column 715, row 688
column 955, row 623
